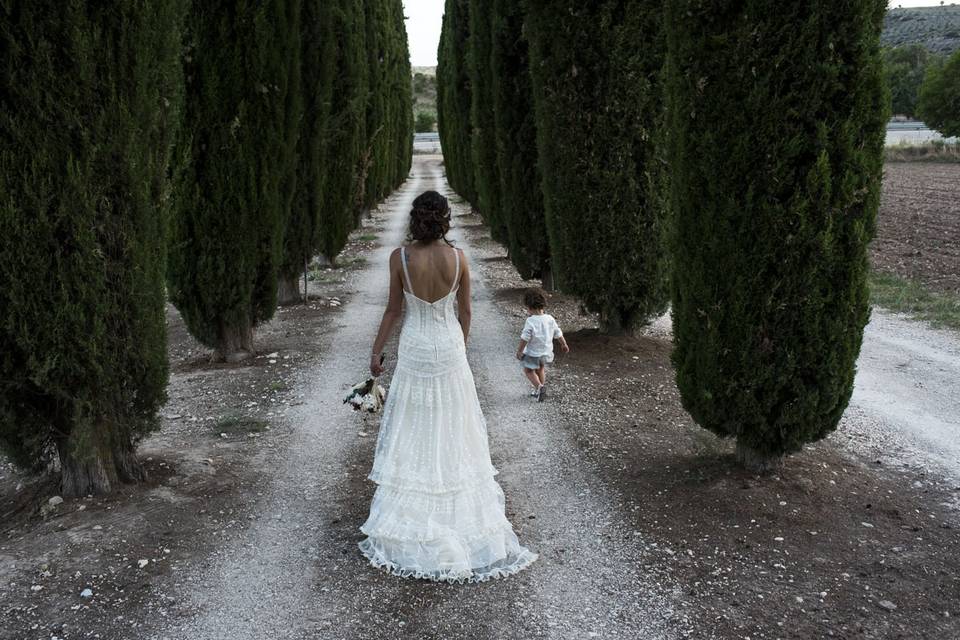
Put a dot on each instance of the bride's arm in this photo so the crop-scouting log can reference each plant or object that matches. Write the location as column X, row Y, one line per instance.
column 464, row 311
column 391, row 315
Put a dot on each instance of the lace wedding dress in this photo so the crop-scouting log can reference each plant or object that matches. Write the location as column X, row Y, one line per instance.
column 437, row 512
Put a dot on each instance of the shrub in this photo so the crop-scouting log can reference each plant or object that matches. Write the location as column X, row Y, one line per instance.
column 425, row 122
column 91, row 99
column 777, row 117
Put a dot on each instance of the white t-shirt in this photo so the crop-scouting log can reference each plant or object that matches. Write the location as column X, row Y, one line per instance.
column 540, row 331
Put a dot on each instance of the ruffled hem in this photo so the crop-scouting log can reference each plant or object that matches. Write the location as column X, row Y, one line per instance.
column 502, row 569
column 402, row 482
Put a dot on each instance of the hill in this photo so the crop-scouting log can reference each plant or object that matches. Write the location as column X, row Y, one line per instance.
column 936, row 28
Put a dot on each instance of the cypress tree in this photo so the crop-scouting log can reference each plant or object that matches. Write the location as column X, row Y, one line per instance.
column 454, row 100
column 484, row 145
column 595, row 70
column 515, row 138
column 318, row 66
column 334, row 90
column 345, row 131
column 403, row 99
column 777, row 114
column 90, row 98
column 377, row 126
column 242, row 114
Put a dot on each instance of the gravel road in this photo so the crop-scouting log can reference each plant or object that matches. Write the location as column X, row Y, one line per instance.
column 906, row 402
column 295, row 572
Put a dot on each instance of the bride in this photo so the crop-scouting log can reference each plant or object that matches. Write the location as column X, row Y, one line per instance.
column 437, row 512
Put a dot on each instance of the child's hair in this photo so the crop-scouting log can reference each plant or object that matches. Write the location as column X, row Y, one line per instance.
column 535, row 298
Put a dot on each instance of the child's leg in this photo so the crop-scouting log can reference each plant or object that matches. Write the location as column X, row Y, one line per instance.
column 542, row 374
column 531, row 375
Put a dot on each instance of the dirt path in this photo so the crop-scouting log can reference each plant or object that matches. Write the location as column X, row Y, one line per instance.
column 296, row 573
column 906, row 402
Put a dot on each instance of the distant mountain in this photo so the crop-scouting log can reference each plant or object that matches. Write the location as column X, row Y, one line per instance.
column 936, row 28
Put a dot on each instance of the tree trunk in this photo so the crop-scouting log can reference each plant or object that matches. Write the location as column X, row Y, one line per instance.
column 758, row 462
column 236, row 343
column 96, row 472
column 288, row 291
column 617, row 324
column 546, row 280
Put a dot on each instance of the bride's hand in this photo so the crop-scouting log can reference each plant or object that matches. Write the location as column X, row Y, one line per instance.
column 376, row 365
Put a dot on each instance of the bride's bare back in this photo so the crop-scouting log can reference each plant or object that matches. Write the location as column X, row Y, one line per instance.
column 432, row 268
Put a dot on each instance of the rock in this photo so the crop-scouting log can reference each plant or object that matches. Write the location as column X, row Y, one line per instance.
column 86, row 593
column 887, row 605
column 54, row 501
column 36, row 587
column 143, row 563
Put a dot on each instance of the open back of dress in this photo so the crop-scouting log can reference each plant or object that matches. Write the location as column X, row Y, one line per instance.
column 438, row 512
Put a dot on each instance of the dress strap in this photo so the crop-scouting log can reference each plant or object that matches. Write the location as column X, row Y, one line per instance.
column 456, row 278
column 406, row 272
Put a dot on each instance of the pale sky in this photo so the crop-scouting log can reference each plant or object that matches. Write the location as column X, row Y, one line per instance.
column 424, row 18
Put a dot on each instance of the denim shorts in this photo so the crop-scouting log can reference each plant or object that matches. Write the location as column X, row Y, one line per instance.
column 535, row 362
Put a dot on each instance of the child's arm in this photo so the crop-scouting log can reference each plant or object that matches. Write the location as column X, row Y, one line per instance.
column 558, row 335
column 523, row 345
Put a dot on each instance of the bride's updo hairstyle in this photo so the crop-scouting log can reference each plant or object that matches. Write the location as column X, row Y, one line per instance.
column 430, row 218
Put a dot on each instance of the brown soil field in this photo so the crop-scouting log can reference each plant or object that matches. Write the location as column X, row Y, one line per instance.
column 918, row 227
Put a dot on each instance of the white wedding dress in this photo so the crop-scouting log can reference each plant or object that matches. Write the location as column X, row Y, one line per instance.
column 437, row 512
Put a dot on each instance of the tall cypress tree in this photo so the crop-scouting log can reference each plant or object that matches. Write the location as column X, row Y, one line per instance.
column 243, row 120
column 454, row 100
column 595, row 69
column 318, row 69
column 378, row 129
column 515, row 139
column 330, row 143
column 90, row 99
column 402, row 157
column 777, row 114
column 345, row 130
column 484, row 144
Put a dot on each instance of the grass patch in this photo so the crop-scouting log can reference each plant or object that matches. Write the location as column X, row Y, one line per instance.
column 351, row 261
column 326, row 276
column 367, row 237
column 240, row 424
column 908, row 296
column 934, row 151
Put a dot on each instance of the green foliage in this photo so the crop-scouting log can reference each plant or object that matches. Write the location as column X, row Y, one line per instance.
column 425, row 122
column 484, row 143
column 331, row 132
column 515, row 139
column 595, row 73
column 940, row 97
column 90, row 99
column 454, row 100
column 905, row 68
column 389, row 123
column 242, row 120
column 777, row 115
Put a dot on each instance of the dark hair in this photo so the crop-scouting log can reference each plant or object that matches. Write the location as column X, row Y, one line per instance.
column 534, row 298
column 430, row 218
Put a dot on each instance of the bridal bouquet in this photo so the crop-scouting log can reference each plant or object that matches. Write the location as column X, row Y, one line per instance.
column 367, row 395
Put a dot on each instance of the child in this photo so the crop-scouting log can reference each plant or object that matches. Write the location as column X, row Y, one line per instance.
column 536, row 342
